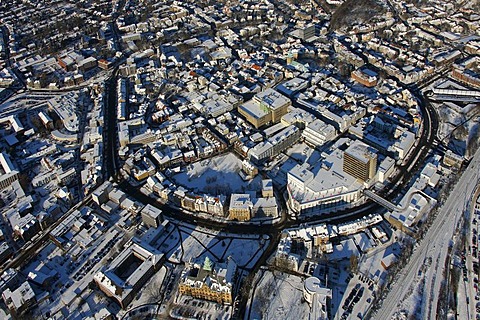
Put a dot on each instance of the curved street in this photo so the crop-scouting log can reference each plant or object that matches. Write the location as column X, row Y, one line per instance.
column 420, row 152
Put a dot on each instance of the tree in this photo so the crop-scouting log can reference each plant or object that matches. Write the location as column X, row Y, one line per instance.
column 354, row 263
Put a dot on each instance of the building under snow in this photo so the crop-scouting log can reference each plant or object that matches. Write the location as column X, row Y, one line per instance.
column 209, row 281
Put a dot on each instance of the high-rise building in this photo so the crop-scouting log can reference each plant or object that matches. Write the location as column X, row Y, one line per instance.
column 360, row 161
column 151, row 216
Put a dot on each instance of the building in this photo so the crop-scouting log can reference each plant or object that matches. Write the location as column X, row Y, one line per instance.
column 317, row 133
column 286, row 256
column 128, row 272
column 208, row 281
column 5, row 252
column 46, row 120
column 117, row 196
column 8, row 173
column 366, row 77
column 317, row 297
column 326, row 187
column 388, row 261
column 305, row 32
column 241, row 205
column 265, row 207
column 100, row 195
column 267, row 188
column 215, row 205
column 465, row 72
column 274, row 145
column 104, row 64
column 9, row 279
column 415, row 206
column 266, row 107
column 249, row 168
column 23, row 223
column 360, row 161
column 87, row 64
column 67, row 63
column 66, row 177
column 293, row 86
column 151, row 216
column 20, row 300
column 452, row 160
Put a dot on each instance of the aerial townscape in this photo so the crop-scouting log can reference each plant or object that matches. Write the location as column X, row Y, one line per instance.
column 271, row 159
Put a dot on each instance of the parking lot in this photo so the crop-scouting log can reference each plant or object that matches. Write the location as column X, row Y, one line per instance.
column 190, row 307
column 470, row 268
column 357, row 298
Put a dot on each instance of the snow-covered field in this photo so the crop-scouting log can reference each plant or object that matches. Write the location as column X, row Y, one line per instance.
column 457, row 138
column 151, row 290
column 218, row 175
column 187, row 244
column 370, row 264
column 279, row 296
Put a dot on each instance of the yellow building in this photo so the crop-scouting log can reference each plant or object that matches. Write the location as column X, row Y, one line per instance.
column 266, row 107
column 208, row 281
column 240, row 206
column 267, row 188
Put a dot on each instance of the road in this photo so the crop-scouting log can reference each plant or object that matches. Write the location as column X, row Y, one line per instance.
column 435, row 246
column 110, row 133
column 30, row 251
column 404, row 173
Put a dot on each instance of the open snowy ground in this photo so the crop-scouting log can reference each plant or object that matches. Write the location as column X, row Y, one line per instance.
column 150, row 292
column 279, row 296
column 188, row 243
column 218, row 175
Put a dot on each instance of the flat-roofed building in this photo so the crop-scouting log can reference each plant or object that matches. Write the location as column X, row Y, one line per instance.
column 317, row 133
column 266, row 107
column 360, row 161
column 5, row 252
column 8, row 172
column 325, row 187
column 151, row 216
column 20, row 300
column 100, row 195
column 366, row 77
column 317, row 296
column 265, row 207
column 128, row 272
column 240, row 206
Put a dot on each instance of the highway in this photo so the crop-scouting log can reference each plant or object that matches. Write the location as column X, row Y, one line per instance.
column 435, row 246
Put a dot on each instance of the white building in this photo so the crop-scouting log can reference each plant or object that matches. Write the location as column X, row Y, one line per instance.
column 8, row 173
column 19, row 300
column 316, row 295
column 318, row 133
column 274, row 145
column 330, row 189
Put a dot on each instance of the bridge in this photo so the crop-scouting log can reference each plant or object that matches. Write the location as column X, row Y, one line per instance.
column 455, row 95
column 381, row 201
